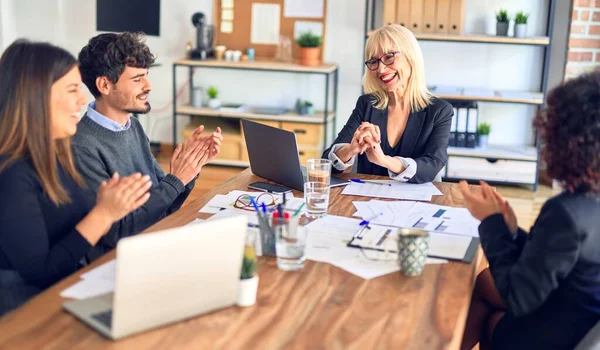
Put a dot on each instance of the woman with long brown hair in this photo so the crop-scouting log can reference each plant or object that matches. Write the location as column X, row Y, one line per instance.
column 46, row 222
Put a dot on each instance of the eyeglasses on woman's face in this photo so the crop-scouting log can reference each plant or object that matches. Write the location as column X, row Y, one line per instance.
column 387, row 59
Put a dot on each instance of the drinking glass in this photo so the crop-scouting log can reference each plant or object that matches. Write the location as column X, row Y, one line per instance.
column 318, row 170
column 316, row 196
column 290, row 243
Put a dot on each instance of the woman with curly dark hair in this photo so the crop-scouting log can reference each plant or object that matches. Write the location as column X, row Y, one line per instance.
column 542, row 289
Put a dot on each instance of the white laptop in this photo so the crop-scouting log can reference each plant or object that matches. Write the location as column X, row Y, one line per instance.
column 169, row 276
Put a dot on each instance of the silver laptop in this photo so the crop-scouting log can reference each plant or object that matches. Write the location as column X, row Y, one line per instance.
column 169, row 276
column 273, row 154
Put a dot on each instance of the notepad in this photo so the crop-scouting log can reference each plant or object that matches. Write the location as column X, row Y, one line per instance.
column 98, row 281
column 327, row 242
column 88, row 288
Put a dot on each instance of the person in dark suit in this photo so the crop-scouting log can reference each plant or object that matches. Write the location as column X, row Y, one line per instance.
column 542, row 289
column 398, row 128
column 47, row 225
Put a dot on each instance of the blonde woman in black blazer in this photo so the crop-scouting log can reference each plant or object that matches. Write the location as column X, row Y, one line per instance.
column 398, row 128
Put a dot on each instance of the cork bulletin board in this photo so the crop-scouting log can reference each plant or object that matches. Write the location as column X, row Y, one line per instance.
column 236, row 30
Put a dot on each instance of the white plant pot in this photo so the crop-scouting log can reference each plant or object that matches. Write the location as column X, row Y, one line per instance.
column 247, row 292
column 483, row 141
column 520, row 30
column 214, row 103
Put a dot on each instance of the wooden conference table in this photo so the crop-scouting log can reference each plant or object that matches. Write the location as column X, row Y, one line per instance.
column 320, row 306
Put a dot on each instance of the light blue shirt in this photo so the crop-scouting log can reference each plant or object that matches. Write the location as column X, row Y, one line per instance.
column 104, row 121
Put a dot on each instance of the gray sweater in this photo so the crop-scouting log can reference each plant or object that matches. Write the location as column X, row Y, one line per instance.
column 99, row 153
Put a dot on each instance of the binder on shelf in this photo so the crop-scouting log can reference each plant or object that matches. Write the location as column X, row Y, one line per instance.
column 452, row 142
column 389, row 11
column 429, row 13
column 442, row 17
column 461, row 128
column 403, row 12
column 455, row 20
column 416, row 16
column 472, row 118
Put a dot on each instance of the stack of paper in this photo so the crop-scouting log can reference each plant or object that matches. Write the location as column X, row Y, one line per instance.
column 98, row 281
column 430, row 217
column 327, row 242
column 393, row 190
column 226, row 201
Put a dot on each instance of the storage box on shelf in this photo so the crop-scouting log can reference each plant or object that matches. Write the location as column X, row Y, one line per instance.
column 311, row 130
column 508, row 164
column 505, row 164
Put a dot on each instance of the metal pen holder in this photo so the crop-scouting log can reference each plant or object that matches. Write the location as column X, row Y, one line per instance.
column 271, row 226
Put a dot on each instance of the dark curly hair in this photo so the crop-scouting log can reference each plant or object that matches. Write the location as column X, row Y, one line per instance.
column 107, row 55
column 570, row 132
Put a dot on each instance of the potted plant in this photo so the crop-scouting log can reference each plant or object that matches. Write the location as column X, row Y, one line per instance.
column 248, row 276
column 304, row 107
column 310, row 48
column 483, row 130
column 310, row 109
column 502, row 20
column 521, row 24
column 213, row 101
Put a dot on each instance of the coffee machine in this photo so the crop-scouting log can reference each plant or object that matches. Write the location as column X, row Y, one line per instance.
column 204, row 37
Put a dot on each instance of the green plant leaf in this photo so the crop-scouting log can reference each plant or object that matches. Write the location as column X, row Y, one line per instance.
column 308, row 39
column 249, row 264
column 521, row 17
column 502, row 16
column 484, row 129
column 212, row 92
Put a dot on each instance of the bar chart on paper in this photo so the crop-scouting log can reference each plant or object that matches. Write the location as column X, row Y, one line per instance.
column 426, row 216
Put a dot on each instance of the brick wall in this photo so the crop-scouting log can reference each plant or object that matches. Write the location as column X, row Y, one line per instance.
column 584, row 41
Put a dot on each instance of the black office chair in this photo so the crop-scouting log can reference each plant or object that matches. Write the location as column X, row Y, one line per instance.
column 591, row 341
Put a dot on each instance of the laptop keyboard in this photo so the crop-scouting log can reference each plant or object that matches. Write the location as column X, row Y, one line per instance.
column 104, row 317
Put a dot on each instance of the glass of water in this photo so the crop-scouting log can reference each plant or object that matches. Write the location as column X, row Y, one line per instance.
column 290, row 243
column 316, row 196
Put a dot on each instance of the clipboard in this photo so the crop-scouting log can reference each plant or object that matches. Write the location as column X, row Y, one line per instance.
column 470, row 252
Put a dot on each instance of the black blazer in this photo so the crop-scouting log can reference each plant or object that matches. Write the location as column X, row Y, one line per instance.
column 425, row 138
column 550, row 278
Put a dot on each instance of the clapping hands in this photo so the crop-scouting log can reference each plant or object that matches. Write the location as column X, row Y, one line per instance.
column 189, row 158
column 489, row 203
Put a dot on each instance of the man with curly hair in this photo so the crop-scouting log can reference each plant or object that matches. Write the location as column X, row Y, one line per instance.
column 114, row 67
column 542, row 289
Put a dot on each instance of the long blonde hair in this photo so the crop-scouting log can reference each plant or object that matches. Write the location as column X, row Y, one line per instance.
column 395, row 37
column 27, row 72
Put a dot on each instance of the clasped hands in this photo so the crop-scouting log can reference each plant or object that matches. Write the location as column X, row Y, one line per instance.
column 189, row 158
column 367, row 139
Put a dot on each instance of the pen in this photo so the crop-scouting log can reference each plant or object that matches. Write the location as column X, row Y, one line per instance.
column 254, row 204
column 370, row 182
column 366, row 222
column 298, row 210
